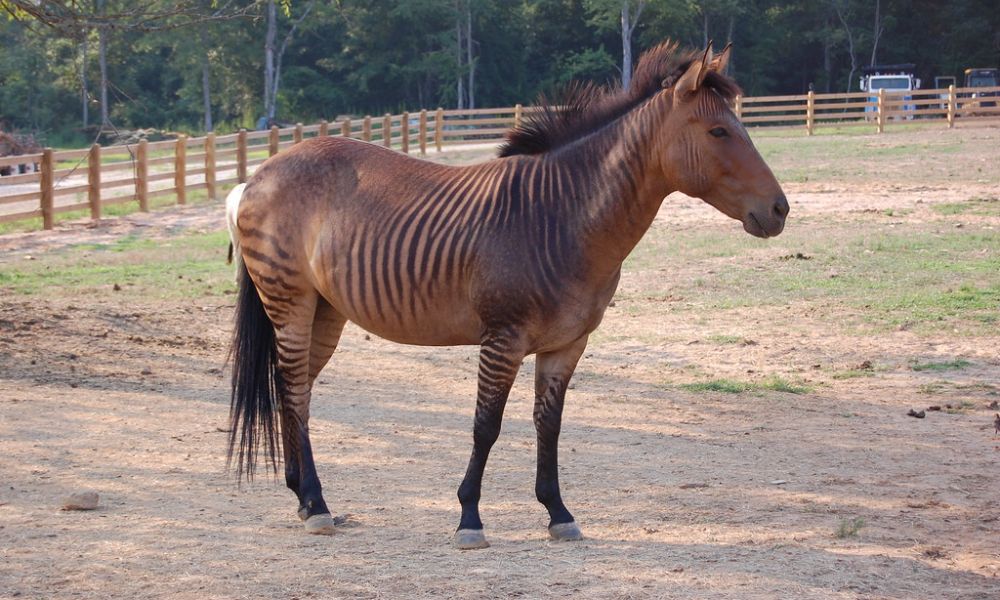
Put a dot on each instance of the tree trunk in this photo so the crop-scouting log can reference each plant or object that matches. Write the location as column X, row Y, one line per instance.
column 629, row 21
column 84, row 92
column 827, row 64
column 468, row 55
column 205, row 89
column 850, row 45
column 877, row 31
column 729, row 40
column 277, row 57
column 704, row 36
column 458, row 54
column 626, row 45
column 269, row 37
column 102, row 61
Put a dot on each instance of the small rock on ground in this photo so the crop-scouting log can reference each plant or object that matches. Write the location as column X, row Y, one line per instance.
column 81, row 501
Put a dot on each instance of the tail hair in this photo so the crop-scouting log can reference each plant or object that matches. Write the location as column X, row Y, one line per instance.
column 257, row 385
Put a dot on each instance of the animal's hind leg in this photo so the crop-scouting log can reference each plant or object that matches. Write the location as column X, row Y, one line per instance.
column 327, row 327
column 552, row 374
column 293, row 317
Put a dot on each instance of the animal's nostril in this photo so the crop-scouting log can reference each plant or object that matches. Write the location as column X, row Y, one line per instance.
column 781, row 206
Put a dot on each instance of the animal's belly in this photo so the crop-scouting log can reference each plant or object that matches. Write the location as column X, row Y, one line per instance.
column 439, row 322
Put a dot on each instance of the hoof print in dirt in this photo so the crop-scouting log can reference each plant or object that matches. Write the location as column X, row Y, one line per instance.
column 919, row 414
column 81, row 501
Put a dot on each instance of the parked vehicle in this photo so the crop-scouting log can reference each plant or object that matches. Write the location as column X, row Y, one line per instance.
column 943, row 82
column 983, row 78
column 890, row 78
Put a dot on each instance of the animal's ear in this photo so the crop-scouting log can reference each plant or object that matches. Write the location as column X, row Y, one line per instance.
column 691, row 80
column 721, row 60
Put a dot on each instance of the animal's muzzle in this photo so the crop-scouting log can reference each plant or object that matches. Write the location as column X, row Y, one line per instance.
column 767, row 223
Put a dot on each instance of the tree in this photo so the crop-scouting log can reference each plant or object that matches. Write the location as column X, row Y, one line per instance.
column 627, row 13
column 272, row 57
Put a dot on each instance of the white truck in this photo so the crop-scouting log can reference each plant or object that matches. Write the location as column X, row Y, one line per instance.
column 891, row 78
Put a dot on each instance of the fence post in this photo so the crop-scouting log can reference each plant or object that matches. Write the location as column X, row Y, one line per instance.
column 47, row 185
column 517, row 115
column 94, row 181
column 951, row 106
column 141, row 174
column 438, row 128
column 738, row 107
column 272, row 141
column 345, row 128
column 241, row 156
column 404, row 126
column 180, row 168
column 387, row 130
column 423, row 132
column 210, row 164
column 366, row 129
column 810, row 111
column 881, row 110
column 324, row 128
column 297, row 134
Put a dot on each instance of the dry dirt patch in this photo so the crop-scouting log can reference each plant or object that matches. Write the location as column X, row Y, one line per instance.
column 825, row 491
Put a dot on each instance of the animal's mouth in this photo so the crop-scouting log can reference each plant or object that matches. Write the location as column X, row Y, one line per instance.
column 753, row 226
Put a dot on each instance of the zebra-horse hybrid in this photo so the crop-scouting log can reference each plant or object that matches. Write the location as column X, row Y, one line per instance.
column 519, row 255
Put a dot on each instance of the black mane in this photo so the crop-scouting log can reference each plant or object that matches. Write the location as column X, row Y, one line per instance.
column 583, row 108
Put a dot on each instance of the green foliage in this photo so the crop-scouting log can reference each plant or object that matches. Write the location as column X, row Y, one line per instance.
column 376, row 57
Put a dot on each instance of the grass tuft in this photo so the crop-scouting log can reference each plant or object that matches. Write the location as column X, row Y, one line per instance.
column 849, row 528
column 731, row 386
column 948, row 365
column 727, row 386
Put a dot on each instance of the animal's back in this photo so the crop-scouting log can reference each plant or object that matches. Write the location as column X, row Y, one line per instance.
column 387, row 240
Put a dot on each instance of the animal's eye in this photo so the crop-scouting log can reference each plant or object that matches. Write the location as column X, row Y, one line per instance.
column 719, row 132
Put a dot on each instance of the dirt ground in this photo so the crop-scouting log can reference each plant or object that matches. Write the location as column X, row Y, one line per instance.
column 680, row 493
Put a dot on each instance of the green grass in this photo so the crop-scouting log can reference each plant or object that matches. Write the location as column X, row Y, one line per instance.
column 948, row 365
column 731, row 386
column 856, row 154
column 988, row 206
column 961, row 407
column 109, row 210
column 917, row 276
column 727, row 386
column 848, row 528
column 728, row 339
column 853, row 374
column 192, row 266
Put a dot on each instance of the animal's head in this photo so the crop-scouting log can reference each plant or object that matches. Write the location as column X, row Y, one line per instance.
column 706, row 152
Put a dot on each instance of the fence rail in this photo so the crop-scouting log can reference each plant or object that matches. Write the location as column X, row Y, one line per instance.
column 92, row 178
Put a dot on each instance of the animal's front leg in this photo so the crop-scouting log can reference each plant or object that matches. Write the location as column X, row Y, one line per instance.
column 552, row 374
column 499, row 360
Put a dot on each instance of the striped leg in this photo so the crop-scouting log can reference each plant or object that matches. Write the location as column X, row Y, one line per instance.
column 327, row 327
column 293, row 326
column 553, row 371
column 499, row 360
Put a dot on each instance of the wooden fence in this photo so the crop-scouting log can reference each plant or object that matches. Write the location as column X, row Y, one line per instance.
column 94, row 178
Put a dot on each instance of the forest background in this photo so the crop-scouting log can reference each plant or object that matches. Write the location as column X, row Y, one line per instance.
column 70, row 68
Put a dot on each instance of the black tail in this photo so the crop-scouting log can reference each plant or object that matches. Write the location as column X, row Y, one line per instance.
column 257, row 384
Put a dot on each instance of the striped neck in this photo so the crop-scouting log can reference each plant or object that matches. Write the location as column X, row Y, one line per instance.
column 619, row 182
